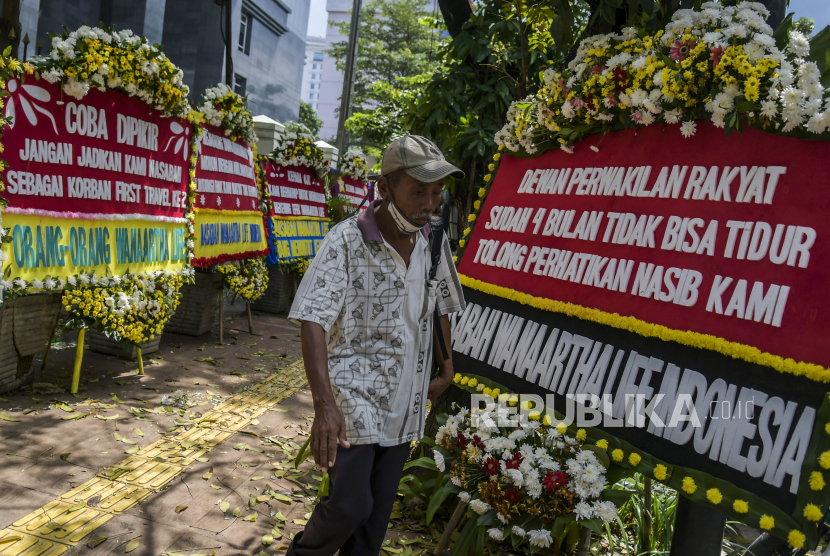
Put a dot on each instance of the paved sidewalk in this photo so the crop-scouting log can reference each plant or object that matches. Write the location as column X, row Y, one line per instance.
column 60, row 484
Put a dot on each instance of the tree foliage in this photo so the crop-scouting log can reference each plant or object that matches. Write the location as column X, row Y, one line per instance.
column 804, row 25
column 308, row 118
column 397, row 39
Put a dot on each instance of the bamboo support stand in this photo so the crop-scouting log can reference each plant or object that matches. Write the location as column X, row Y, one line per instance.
column 250, row 321
column 79, row 357
column 221, row 316
column 140, row 361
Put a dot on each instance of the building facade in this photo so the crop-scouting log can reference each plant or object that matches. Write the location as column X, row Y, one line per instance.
column 331, row 81
column 313, row 71
column 268, row 41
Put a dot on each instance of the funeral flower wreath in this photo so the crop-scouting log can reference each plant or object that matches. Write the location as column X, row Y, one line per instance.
column 522, row 478
column 298, row 149
column 248, row 277
column 224, row 108
column 720, row 63
column 105, row 59
column 132, row 308
column 354, row 165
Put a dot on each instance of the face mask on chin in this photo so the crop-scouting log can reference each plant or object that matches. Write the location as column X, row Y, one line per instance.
column 404, row 224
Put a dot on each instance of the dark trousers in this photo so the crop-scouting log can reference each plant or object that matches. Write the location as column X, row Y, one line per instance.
column 353, row 518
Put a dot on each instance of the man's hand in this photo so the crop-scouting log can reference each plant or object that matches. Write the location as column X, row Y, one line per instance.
column 328, row 429
column 437, row 386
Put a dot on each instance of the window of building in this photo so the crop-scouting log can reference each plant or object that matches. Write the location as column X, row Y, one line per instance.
column 313, row 86
column 240, row 84
column 245, row 22
column 310, row 96
column 315, row 76
column 315, row 106
column 318, row 56
column 314, row 66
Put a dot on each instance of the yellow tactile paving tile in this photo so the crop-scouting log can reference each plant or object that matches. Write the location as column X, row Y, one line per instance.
column 15, row 543
column 142, row 472
column 228, row 421
column 62, row 523
column 57, row 521
column 176, row 453
column 108, row 496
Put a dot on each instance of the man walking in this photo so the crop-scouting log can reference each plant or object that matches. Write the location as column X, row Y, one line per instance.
column 365, row 306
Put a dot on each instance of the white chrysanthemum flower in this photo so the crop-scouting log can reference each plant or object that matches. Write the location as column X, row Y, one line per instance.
column 480, row 507
column 799, row 44
column 583, row 511
column 638, row 97
column 439, row 460
column 515, row 477
column 495, row 534
column 769, row 108
column 464, row 496
column 606, row 511
column 502, row 518
column 518, row 531
column 688, row 129
column 20, row 282
column 37, row 284
column 541, row 538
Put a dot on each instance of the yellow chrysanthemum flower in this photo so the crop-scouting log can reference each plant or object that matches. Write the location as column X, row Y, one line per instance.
column 714, row 496
column 689, row 485
column 740, row 506
column 634, row 459
column 813, row 512
column 766, row 522
column 602, row 443
column 796, row 539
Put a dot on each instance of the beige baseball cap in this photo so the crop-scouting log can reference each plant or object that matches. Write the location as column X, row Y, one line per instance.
column 419, row 157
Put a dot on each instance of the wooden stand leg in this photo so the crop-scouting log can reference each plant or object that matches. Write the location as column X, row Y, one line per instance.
column 140, row 361
column 49, row 343
column 445, row 538
column 221, row 316
column 250, row 322
column 79, row 357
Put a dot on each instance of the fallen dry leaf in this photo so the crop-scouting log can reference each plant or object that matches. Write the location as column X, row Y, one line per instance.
column 96, row 542
column 209, row 474
column 180, row 509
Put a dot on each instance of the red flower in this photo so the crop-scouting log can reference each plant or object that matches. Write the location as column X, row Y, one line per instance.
column 512, row 495
column 620, row 76
column 491, row 466
column 515, row 461
column 460, row 440
column 477, row 442
column 597, row 69
column 554, row 480
column 680, row 50
column 717, row 52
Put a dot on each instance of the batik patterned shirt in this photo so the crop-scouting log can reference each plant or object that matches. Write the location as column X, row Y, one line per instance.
column 377, row 315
